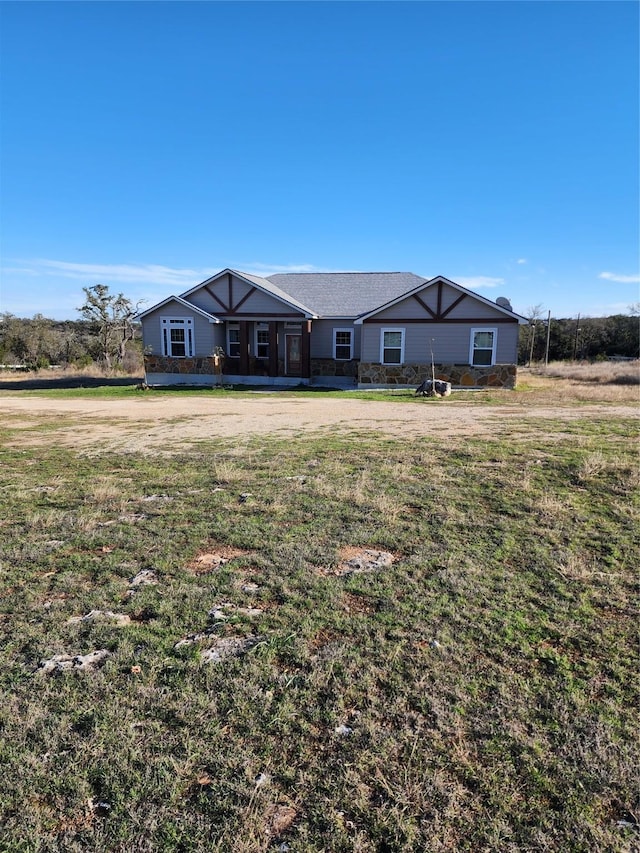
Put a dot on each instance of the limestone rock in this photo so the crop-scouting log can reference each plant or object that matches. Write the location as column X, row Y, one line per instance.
column 78, row 663
column 365, row 560
column 145, row 577
column 101, row 616
column 228, row 647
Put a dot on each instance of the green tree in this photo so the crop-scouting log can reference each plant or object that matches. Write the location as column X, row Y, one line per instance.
column 27, row 341
column 10, row 339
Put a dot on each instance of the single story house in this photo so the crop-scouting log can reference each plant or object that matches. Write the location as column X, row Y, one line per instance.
column 346, row 329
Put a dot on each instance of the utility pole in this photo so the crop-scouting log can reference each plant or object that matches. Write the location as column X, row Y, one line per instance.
column 575, row 340
column 534, row 326
column 546, row 352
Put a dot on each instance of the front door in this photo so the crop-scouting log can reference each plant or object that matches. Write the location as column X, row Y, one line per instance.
column 293, row 348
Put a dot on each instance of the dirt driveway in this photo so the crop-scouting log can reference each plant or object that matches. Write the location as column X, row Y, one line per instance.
column 174, row 423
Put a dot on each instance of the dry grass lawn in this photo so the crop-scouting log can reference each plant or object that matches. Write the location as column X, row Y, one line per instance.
column 252, row 693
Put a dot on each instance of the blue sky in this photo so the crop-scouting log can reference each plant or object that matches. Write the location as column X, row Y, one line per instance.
column 147, row 145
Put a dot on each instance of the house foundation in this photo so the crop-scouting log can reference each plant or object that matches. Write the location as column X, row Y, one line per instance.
column 163, row 370
column 200, row 366
column 371, row 375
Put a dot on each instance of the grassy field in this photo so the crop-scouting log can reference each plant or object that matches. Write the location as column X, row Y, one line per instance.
column 601, row 372
column 476, row 692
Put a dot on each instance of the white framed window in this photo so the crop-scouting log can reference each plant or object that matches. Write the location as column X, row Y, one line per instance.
column 343, row 344
column 178, row 338
column 262, row 340
column 233, row 340
column 392, row 346
column 482, row 349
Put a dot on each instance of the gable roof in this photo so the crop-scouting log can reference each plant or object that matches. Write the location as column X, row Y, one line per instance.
column 262, row 284
column 184, row 304
column 334, row 294
column 441, row 278
column 345, row 294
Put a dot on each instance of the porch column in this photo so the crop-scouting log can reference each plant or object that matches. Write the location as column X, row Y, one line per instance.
column 244, row 348
column 305, row 350
column 273, row 349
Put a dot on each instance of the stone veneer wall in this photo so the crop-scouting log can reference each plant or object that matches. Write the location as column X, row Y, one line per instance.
column 180, row 366
column 368, row 373
column 329, row 367
column 461, row 375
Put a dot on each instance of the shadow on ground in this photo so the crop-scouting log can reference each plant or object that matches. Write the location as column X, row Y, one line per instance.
column 43, row 383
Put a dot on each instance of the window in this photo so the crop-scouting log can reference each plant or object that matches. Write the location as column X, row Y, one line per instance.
column 233, row 340
column 343, row 344
column 391, row 346
column 483, row 347
column 262, row 340
column 177, row 337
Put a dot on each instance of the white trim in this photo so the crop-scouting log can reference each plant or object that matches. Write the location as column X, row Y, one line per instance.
column 472, row 348
column 183, row 304
column 184, row 324
column 521, row 320
column 382, row 346
column 335, row 345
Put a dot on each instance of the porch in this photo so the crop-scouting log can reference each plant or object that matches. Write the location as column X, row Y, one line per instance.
column 267, row 349
column 252, row 352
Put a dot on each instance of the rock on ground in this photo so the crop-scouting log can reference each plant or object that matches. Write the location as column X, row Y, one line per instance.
column 228, row 647
column 101, row 616
column 78, row 663
column 365, row 560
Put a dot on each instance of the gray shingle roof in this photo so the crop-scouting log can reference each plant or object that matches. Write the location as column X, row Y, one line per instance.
column 345, row 294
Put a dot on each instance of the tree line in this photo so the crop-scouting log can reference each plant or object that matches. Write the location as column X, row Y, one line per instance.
column 107, row 335
column 580, row 338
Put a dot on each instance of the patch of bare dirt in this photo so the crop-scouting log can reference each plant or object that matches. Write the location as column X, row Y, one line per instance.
column 356, row 561
column 213, row 557
column 173, row 424
column 278, row 818
column 357, row 603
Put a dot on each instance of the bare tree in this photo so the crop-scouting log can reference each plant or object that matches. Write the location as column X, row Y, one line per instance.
column 112, row 318
column 534, row 313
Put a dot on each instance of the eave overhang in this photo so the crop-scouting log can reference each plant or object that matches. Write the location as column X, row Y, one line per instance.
column 441, row 279
column 184, row 304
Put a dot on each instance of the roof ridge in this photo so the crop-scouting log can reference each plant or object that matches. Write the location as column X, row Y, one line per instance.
column 351, row 272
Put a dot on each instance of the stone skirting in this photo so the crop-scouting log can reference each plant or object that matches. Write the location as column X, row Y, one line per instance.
column 459, row 375
column 329, row 367
column 368, row 374
column 201, row 366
